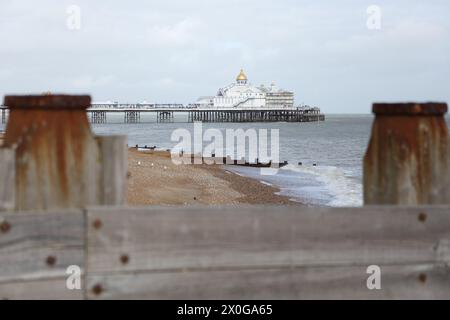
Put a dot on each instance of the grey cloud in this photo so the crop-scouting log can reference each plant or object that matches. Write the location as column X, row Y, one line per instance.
column 179, row 50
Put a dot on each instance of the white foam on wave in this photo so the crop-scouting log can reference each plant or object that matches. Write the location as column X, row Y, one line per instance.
column 344, row 190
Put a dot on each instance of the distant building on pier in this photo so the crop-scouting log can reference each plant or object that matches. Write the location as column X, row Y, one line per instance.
column 276, row 98
column 243, row 95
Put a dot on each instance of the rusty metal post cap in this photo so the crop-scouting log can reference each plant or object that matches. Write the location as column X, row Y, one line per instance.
column 50, row 101
column 410, row 108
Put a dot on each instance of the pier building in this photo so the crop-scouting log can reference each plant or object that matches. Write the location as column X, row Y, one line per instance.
column 242, row 95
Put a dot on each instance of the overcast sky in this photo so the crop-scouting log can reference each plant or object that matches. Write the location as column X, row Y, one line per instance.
column 175, row 51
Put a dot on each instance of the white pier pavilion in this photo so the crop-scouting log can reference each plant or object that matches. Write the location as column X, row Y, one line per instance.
column 242, row 95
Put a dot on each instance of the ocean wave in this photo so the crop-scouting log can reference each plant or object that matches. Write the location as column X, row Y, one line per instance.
column 344, row 189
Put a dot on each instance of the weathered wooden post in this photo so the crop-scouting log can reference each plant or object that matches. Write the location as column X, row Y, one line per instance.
column 406, row 162
column 114, row 169
column 58, row 161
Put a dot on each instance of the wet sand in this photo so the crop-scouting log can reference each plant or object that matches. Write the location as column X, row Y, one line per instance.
column 155, row 180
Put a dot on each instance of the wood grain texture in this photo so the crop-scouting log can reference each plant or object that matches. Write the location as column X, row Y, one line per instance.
column 230, row 252
column 407, row 159
column 267, row 252
column 42, row 289
column 113, row 150
column 154, row 239
column 40, row 245
column 342, row 282
column 57, row 158
column 7, row 178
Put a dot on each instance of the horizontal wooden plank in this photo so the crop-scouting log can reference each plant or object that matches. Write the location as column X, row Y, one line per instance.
column 42, row 289
column 397, row 282
column 152, row 239
column 232, row 252
column 40, row 245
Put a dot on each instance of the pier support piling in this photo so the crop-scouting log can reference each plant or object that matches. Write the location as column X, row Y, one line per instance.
column 211, row 115
column 97, row 116
column 165, row 116
column 132, row 117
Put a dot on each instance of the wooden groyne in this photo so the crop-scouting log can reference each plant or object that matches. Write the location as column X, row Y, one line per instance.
column 407, row 160
column 52, row 159
column 214, row 159
column 236, row 252
column 246, row 252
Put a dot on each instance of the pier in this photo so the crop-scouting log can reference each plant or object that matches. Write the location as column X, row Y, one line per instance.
column 268, row 115
column 133, row 113
column 166, row 113
column 3, row 114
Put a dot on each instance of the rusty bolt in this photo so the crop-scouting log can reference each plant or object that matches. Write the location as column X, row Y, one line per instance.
column 422, row 217
column 124, row 258
column 5, row 227
column 51, row 260
column 97, row 224
column 422, row 277
column 97, row 289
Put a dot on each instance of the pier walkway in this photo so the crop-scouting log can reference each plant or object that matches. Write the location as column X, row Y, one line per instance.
column 132, row 113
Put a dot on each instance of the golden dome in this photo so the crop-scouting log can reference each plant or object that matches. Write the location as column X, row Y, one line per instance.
column 241, row 76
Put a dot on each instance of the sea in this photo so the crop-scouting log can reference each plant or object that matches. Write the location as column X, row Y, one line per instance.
column 330, row 153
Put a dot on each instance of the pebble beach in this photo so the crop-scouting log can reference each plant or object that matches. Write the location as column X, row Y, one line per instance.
column 153, row 179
